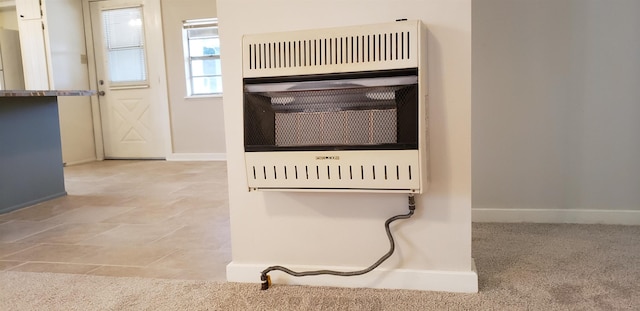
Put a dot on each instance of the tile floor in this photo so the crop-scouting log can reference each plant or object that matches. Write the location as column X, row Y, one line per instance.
column 126, row 218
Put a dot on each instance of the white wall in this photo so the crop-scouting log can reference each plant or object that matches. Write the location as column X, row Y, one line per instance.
column 556, row 111
column 197, row 124
column 306, row 230
column 9, row 18
column 70, row 72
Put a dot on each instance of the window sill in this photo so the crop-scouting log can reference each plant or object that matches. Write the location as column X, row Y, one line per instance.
column 203, row 96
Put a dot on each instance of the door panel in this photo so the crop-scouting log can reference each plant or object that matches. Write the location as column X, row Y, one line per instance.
column 129, row 103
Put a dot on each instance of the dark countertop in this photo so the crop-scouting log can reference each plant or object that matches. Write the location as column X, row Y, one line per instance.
column 32, row 93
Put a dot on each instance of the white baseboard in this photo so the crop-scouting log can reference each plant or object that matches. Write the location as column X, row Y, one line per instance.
column 428, row 280
column 80, row 162
column 575, row 216
column 197, row 157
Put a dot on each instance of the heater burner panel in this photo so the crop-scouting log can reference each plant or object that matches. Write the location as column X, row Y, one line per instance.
column 330, row 114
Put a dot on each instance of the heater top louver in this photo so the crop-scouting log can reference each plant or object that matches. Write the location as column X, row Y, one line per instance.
column 333, row 50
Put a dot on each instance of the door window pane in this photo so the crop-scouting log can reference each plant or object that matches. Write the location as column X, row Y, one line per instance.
column 124, row 36
column 127, row 66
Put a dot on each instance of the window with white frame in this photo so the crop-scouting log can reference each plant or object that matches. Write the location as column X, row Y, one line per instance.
column 202, row 57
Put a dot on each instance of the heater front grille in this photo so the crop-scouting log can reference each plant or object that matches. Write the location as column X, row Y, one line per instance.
column 328, row 50
column 336, row 109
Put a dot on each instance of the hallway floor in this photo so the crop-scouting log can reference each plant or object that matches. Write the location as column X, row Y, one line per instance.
column 126, row 218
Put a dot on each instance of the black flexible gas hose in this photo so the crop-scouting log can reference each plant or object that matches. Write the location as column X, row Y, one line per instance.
column 266, row 279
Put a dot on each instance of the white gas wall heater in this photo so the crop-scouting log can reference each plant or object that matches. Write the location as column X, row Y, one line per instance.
column 339, row 109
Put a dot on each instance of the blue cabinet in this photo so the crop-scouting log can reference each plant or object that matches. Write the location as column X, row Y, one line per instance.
column 31, row 167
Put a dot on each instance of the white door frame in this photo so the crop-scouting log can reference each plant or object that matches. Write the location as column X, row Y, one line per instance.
column 154, row 37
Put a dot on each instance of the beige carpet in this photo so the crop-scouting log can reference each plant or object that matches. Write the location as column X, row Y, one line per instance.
column 521, row 267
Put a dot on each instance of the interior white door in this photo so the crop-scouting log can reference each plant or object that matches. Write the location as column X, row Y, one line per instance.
column 129, row 94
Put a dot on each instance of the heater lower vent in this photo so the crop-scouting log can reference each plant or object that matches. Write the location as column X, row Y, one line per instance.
column 378, row 170
column 332, row 172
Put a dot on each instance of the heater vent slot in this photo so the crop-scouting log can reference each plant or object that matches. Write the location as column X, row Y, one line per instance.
column 327, row 50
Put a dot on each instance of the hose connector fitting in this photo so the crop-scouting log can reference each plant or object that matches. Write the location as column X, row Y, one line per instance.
column 266, row 281
column 412, row 202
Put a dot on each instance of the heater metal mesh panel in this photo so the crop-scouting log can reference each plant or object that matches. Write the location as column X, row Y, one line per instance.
column 355, row 127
